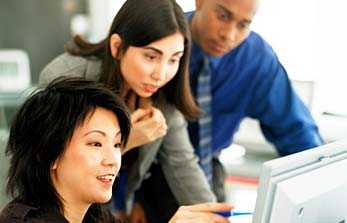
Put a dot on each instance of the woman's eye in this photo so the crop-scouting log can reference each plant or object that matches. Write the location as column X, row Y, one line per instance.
column 150, row 57
column 95, row 144
column 173, row 61
column 118, row 145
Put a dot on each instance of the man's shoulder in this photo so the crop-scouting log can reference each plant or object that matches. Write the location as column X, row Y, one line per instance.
column 254, row 50
column 256, row 44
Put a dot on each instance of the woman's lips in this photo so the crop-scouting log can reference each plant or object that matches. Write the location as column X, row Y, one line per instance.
column 151, row 88
column 106, row 179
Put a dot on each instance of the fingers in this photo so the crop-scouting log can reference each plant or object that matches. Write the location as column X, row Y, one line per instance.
column 156, row 123
column 211, row 207
column 147, row 126
column 184, row 215
column 159, row 119
column 140, row 114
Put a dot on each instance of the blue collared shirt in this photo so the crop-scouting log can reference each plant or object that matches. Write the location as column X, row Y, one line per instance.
column 250, row 81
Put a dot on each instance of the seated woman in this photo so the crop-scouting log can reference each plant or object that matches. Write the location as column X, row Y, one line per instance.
column 65, row 152
column 65, row 148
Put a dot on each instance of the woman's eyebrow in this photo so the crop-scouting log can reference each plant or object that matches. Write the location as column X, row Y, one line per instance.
column 102, row 133
column 95, row 131
column 161, row 52
column 154, row 49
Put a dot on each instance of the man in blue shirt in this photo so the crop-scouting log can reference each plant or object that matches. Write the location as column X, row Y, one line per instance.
column 247, row 80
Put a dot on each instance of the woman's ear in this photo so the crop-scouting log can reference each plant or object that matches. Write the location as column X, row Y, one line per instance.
column 55, row 164
column 115, row 43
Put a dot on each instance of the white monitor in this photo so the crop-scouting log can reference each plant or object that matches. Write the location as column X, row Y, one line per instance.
column 307, row 187
column 14, row 71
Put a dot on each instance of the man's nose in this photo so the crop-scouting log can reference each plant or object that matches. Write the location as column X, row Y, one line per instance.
column 229, row 32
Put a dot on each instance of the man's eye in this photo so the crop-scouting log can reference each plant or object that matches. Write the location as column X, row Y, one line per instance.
column 243, row 25
column 223, row 16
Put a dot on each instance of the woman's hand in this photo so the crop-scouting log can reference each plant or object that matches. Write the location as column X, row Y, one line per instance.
column 137, row 214
column 202, row 213
column 147, row 125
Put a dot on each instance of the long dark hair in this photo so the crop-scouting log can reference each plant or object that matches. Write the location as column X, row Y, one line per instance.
column 139, row 23
column 41, row 130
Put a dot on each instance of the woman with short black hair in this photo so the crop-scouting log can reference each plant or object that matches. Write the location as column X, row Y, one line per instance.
column 65, row 152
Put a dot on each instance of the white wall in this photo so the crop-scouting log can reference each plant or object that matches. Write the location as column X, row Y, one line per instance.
column 310, row 40
column 187, row 5
column 102, row 13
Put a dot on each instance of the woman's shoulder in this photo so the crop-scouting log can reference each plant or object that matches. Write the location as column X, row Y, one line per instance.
column 70, row 65
column 21, row 212
column 172, row 115
column 16, row 212
column 170, row 111
column 108, row 217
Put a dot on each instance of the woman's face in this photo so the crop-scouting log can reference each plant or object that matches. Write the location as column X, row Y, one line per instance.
column 147, row 69
column 85, row 172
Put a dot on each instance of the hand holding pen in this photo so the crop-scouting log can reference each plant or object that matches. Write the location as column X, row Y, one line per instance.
column 202, row 213
column 228, row 214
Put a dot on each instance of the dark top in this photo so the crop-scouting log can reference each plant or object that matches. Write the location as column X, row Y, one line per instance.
column 16, row 212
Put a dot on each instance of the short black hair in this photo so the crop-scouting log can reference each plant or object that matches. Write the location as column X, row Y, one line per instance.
column 43, row 127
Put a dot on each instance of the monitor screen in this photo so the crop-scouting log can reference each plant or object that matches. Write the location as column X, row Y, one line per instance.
column 8, row 68
column 307, row 187
column 14, row 71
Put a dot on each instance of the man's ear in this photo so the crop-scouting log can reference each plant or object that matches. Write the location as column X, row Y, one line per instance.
column 115, row 43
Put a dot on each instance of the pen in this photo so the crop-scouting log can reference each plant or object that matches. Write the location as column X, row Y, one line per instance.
column 228, row 214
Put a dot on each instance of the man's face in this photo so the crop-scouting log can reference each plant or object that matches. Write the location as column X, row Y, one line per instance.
column 219, row 26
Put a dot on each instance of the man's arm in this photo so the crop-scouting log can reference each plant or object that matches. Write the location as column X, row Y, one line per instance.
column 285, row 120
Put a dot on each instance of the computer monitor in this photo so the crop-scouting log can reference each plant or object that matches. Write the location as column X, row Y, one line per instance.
column 306, row 187
column 14, row 71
